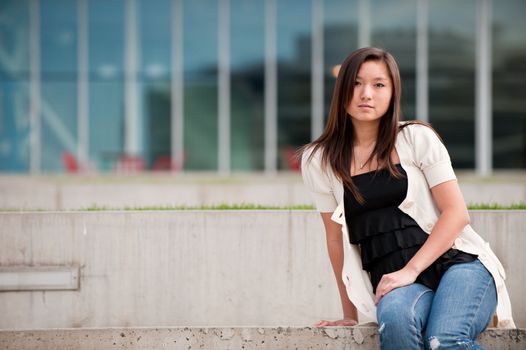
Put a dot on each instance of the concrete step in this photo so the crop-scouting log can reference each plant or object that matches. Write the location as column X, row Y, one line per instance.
column 247, row 338
column 77, row 192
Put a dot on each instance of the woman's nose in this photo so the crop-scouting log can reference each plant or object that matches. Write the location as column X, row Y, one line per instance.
column 366, row 93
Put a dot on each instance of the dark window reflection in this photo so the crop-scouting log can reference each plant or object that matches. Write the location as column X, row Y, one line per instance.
column 200, row 84
column 155, row 43
column 14, row 86
column 340, row 38
column 106, row 81
column 58, row 37
column 247, row 56
column 393, row 27
column 452, row 77
column 294, row 77
column 509, row 80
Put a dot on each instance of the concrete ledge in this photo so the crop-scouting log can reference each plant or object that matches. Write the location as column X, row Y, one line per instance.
column 73, row 193
column 198, row 268
column 359, row 337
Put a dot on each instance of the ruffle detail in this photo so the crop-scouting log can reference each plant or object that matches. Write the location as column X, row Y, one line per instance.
column 380, row 245
column 376, row 222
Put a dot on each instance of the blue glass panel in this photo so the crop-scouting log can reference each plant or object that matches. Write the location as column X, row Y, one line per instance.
column 200, row 84
column 294, row 77
column 154, row 75
column 393, row 27
column 452, row 77
column 247, row 85
column 58, row 32
column 14, row 86
column 340, row 39
column 509, row 80
column 106, row 87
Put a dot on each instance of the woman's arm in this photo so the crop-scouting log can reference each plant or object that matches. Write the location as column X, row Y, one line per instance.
column 335, row 249
column 453, row 218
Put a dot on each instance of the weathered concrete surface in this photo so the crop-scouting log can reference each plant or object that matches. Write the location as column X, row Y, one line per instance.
column 363, row 338
column 197, row 268
column 72, row 193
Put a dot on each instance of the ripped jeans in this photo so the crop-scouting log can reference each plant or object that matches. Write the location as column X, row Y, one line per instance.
column 414, row 317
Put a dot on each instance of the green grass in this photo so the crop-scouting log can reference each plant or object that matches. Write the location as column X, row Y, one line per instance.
column 495, row 206
column 250, row 206
column 224, row 206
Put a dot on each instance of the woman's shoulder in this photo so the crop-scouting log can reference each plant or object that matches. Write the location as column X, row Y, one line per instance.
column 415, row 131
column 311, row 154
column 313, row 162
column 415, row 126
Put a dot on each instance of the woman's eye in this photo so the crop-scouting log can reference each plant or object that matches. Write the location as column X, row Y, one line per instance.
column 356, row 83
column 379, row 85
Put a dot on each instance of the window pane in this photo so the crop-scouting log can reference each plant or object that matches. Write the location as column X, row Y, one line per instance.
column 340, row 38
column 14, row 86
column 58, row 81
column 200, row 84
column 452, row 77
column 294, row 76
column 393, row 27
column 247, row 84
column 509, row 79
column 106, row 88
column 155, row 70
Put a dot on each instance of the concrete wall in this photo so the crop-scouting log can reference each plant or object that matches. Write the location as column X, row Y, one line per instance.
column 71, row 193
column 338, row 338
column 197, row 268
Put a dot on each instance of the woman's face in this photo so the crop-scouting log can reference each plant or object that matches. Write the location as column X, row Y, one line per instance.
column 372, row 93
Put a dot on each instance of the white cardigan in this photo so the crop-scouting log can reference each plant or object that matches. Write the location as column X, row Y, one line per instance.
column 426, row 162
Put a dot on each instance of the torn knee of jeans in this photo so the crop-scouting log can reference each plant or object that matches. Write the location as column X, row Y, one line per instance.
column 465, row 344
column 382, row 326
column 434, row 343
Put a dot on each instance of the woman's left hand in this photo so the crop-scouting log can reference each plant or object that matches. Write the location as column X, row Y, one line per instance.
column 394, row 280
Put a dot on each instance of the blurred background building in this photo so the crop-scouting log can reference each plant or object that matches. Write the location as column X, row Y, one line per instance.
column 239, row 85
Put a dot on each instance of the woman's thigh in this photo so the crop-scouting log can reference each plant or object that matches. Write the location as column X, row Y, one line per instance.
column 462, row 307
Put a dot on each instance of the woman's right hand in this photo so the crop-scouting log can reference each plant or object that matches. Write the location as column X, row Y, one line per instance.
column 346, row 322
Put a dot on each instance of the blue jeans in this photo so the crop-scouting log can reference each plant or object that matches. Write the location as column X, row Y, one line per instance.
column 414, row 317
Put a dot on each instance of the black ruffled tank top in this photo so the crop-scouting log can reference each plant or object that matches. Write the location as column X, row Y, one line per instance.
column 388, row 238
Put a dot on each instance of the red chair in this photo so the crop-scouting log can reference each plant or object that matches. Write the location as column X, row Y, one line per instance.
column 166, row 163
column 70, row 163
column 130, row 164
column 293, row 162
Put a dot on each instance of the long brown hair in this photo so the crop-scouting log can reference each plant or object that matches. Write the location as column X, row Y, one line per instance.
column 336, row 141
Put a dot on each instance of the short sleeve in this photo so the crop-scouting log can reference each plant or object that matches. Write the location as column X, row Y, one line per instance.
column 318, row 182
column 431, row 156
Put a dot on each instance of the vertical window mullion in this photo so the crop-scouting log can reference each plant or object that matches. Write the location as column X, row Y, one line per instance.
column 483, row 148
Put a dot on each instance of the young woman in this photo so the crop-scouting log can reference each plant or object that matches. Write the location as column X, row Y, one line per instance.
column 397, row 228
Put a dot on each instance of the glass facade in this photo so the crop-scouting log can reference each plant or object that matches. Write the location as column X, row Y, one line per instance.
column 127, row 49
column 247, row 59
column 452, row 77
column 294, row 77
column 393, row 27
column 154, row 78
column 14, row 86
column 58, row 67
column 200, row 84
column 106, row 81
column 340, row 38
column 509, row 79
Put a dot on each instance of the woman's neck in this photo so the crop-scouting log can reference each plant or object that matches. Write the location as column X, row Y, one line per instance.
column 365, row 134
